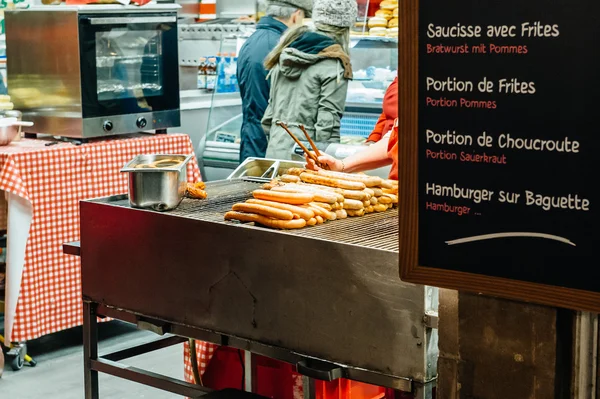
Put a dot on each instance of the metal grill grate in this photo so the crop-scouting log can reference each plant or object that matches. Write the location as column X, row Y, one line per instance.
column 377, row 230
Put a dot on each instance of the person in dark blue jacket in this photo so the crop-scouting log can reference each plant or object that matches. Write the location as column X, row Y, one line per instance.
column 251, row 73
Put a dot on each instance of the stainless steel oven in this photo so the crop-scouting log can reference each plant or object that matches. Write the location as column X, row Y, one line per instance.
column 94, row 71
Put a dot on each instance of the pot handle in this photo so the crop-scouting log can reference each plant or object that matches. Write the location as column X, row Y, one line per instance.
column 22, row 123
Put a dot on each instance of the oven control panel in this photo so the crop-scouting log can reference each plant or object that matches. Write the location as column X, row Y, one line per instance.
column 132, row 123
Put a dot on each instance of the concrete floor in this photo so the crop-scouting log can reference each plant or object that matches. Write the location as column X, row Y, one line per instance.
column 59, row 372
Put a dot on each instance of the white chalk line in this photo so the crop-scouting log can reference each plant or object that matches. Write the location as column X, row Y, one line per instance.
column 494, row 236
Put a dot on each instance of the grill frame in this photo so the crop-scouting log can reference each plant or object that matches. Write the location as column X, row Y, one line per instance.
column 335, row 298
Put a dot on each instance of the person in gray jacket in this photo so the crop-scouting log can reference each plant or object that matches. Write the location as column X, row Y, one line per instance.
column 309, row 71
column 251, row 73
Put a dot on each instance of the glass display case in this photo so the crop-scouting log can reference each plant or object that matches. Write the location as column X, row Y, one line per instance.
column 374, row 61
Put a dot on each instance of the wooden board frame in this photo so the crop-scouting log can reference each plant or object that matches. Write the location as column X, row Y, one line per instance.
column 408, row 174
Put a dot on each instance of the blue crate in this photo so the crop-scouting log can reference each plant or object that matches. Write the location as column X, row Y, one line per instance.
column 357, row 124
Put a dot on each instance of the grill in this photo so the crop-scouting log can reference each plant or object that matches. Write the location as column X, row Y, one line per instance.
column 375, row 230
column 330, row 292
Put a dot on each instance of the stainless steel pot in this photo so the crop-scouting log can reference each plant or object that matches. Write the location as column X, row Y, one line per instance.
column 160, row 187
column 9, row 129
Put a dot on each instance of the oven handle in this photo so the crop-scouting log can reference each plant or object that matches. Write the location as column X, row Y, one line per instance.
column 131, row 20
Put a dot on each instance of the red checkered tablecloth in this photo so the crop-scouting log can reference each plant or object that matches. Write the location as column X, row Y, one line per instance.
column 54, row 179
column 204, row 352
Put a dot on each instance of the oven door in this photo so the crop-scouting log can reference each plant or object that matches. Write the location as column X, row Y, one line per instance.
column 129, row 70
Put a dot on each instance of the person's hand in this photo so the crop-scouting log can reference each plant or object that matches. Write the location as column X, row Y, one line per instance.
column 333, row 164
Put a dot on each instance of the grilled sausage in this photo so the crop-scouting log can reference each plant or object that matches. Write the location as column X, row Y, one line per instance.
column 265, row 221
column 194, row 192
column 332, row 182
column 286, row 198
column 264, row 210
column 302, row 213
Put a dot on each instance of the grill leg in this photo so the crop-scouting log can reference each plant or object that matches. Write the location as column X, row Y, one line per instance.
column 308, row 385
column 90, row 350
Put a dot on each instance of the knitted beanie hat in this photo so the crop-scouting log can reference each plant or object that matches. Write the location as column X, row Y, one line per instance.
column 341, row 13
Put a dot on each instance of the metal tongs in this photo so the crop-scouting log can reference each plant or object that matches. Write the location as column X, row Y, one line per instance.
column 316, row 155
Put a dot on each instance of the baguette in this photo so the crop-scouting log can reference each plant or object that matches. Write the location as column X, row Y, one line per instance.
column 369, row 209
column 374, row 201
column 384, row 199
column 377, row 192
column 298, row 171
column 297, row 211
column 320, row 195
column 380, row 208
column 366, row 203
column 369, row 181
column 318, row 211
column 355, row 213
column 332, row 182
column 386, row 184
column 354, row 194
column 338, row 192
column 341, row 214
column 353, row 205
column 331, row 215
column 286, row 198
column 323, row 205
column 324, row 213
column 264, row 210
column 311, row 222
column 319, row 219
column 265, row 221
column 393, row 197
column 290, row 179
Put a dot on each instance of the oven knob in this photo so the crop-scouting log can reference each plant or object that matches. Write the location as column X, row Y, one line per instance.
column 141, row 122
column 108, row 126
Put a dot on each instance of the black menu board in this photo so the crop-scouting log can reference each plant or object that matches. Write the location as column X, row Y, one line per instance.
column 508, row 139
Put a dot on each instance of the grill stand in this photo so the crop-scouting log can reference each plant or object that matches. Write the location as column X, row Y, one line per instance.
column 177, row 273
column 109, row 363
